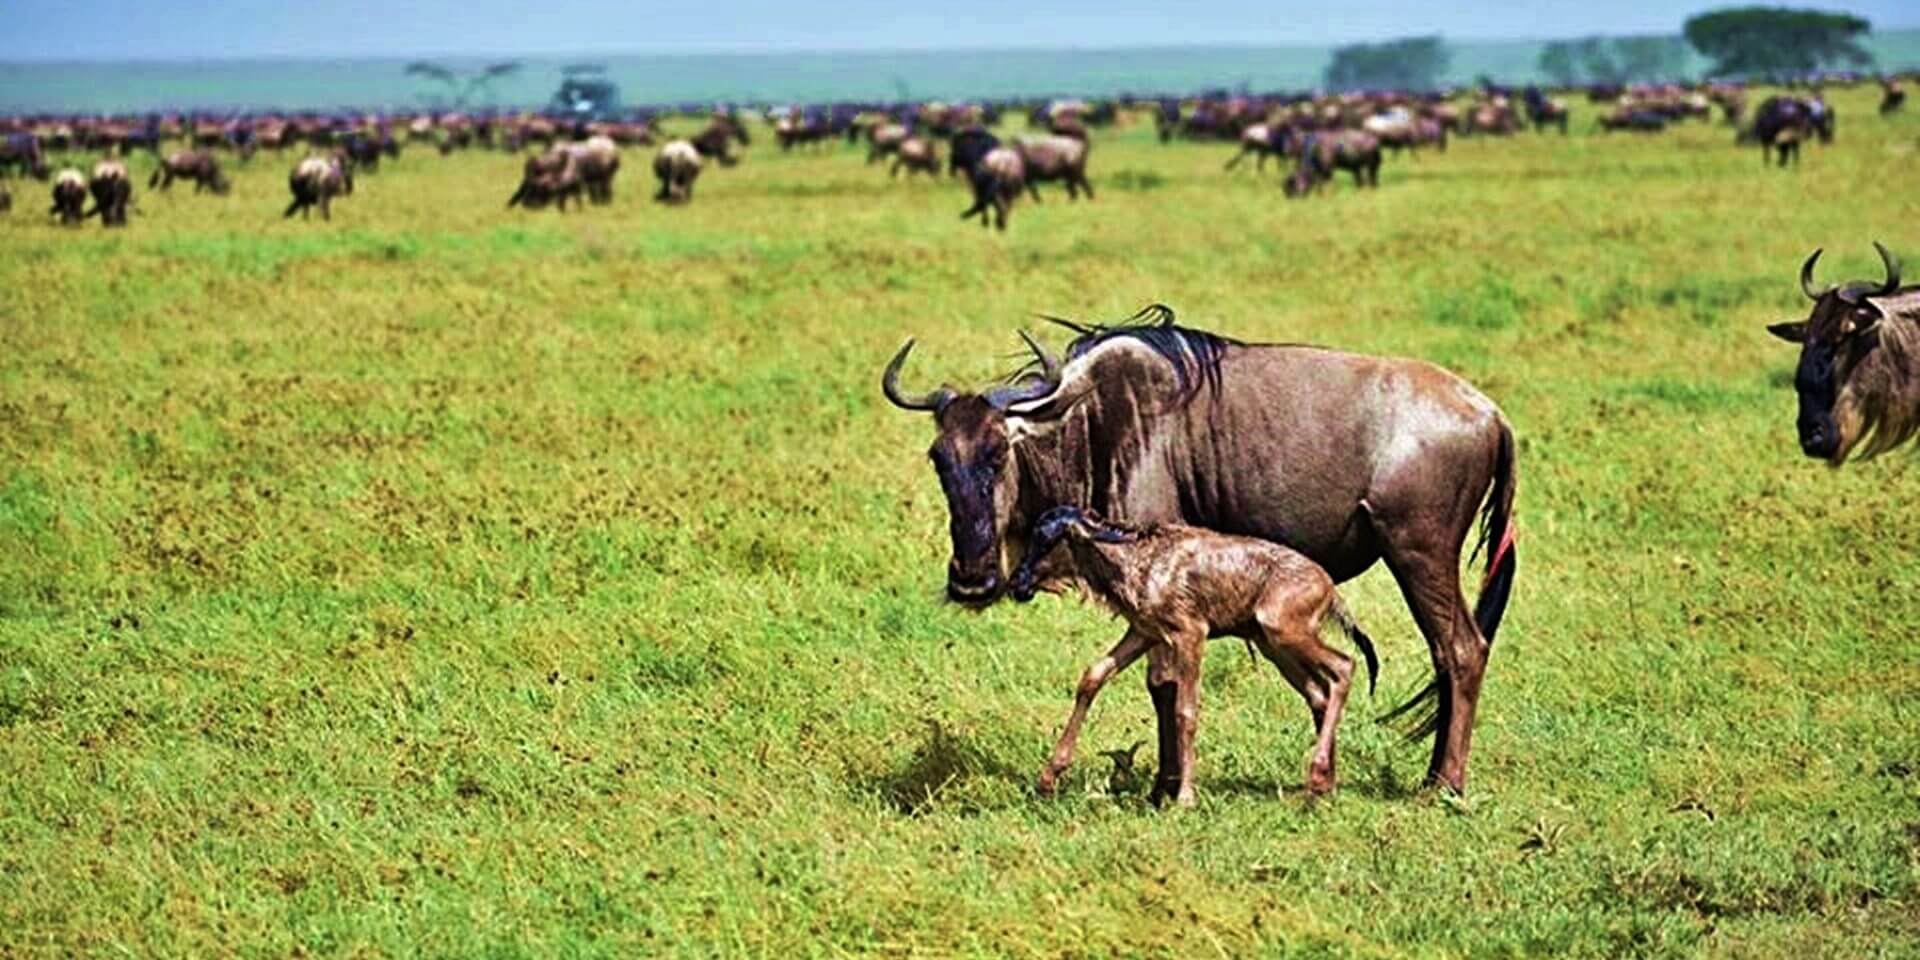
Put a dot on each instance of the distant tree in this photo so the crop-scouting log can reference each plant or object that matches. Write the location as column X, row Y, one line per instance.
column 1414, row 63
column 1650, row 58
column 1560, row 63
column 1745, row 41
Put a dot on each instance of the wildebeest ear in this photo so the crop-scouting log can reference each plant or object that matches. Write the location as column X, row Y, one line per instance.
column 1792, row 332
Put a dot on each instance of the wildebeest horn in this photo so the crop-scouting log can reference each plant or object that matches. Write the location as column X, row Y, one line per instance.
column 890, row 385
column 1806, row 277
column 1892, row 264
column 1036, row 387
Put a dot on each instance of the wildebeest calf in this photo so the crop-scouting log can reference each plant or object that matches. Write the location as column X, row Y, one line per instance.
column 677, row 165
column 112, row 189
column 196, row 165
column 1177, row 586
column 316, row 181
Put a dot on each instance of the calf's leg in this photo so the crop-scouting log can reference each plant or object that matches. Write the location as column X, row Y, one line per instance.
column 1123, row 654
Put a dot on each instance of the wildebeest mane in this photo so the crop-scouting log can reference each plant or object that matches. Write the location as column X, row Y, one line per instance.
column 1887, row 381
column 1194, row 355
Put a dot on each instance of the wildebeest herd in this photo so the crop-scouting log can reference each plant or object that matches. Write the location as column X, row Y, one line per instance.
column 574, row 162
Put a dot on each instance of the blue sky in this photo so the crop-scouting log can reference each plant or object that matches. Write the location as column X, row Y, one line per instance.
column 204, row 29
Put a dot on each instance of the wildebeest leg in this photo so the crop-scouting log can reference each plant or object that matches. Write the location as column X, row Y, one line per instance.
column 1187, row 650
column 1123, row 654
column 1163, row 685
column 1289, row 618
column 1425, row 560
column 1242, row 155
column 326, row 207
column 1033, row 190
column 1086, row 185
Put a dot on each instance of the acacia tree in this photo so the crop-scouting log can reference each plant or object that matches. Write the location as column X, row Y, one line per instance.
column 1413, row 63
column 1745, row 41
column 1613, row 59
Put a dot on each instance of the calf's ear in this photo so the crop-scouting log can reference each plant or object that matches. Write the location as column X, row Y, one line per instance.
column 1792, row 332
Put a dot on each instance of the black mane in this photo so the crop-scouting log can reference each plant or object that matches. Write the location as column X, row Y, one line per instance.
column 1195, row 355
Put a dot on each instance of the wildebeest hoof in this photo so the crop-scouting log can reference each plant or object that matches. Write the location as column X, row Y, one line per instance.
column 1047, row 784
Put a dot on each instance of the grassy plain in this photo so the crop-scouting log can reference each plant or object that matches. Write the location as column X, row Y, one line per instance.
column 447, row 581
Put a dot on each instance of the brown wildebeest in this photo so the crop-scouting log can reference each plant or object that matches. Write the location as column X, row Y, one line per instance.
column 316, row 181
column 997, row 180
column 917, row 155
column 716, row 140
column 677, row 166
column 69, row 196
column 550, row 177
column 596, row 160
column 1054, row 157
column 112, row 190
column 198, row 166
column 1263, row 140
column 885, row 139
column 1859, row 373
column 1324, row 152
column 1891, row 97
column 1348, row 459
column 1179, row 586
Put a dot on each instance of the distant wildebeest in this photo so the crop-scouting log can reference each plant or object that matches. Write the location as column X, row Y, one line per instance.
column 22, row 152
column 69, row 196
column 596, row 160
column 800, row 128
column 1783, row 123
column 112, row 190
column 995, row 173
column 917, row 155
column 885, row 139
column 1322, row 153
column 1545, row 112
column 677, row 165
column 1055, row 157
column 199, row 166
column 716, row 140
column 1262, row 140
column 316, row 181
column 1399, row 129
column 6, row 197
column 1177, row 587
column 1859, row 374
column 1629, row 118
column 1891, row 97
column 552, row 177
column 1348, row 459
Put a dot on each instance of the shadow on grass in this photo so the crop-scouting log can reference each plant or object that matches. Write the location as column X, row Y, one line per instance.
column 947, row 773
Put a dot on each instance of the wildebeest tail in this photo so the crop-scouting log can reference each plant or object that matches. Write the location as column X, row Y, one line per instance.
column 1497, row 530
column 1360, row 639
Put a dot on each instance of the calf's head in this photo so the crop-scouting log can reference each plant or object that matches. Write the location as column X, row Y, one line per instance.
column 973, row 456
column 1836, row 340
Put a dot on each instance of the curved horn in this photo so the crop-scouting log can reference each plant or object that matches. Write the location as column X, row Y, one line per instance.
column 1892, row 264
column 1036, row 387
column 890, row 385
column 1806, row 277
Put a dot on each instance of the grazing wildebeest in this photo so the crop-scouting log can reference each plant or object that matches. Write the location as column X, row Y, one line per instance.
column 317, row 180
column 917, row 155
column 677, row 165
column 1859, row 373
column 112, row 190
column 1891, row 97
column 1630, row 118
column 885, row 139
column 1055, row 157
column 597, row 160
column 1348, row 459
column 1322, row 153
column 1262, row 140
column 1545, row 112
column 199, row 166
column 550, row 177
column 716, row 140
column 69, row 196
column 1179, row 586
column 22, row 151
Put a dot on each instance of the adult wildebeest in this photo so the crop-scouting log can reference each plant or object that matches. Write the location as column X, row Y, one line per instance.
column 1054, row 157
column 1179, row 586
column 112, row 190
column 1545, row 112
column 885, row 139
column 1859, row 373
column 1322, row 153
column 995, row 173
column 199, row 166
column 717, row 139
column 1348, row 459
column 1891, row 97
column 316, row 181
column 677, row 165
column 1783, row 123
column 69, row 196
column 1262, row 140
column 596, row 160
column 549, row 177
column 22, row 151
column 917, row 155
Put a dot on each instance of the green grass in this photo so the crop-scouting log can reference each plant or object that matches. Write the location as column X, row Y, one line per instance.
column 457, row 582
